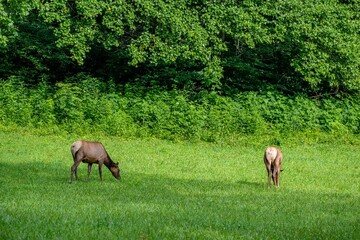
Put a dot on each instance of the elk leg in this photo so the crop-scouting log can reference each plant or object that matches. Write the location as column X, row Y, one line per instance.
column 100, row 172
column 274, row 176
column 74, row 170
column 277, row 177
column 268, row 168
column 89, row 170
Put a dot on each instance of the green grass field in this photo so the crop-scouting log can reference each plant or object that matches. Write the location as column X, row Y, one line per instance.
column 177, row 191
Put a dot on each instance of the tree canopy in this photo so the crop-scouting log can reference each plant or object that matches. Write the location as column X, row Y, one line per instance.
column 296, row 46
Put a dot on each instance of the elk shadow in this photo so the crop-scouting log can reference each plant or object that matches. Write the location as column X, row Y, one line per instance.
column 251, row 183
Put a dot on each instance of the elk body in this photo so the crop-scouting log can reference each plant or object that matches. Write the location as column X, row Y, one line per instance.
column 90, row 153
column 273, row 159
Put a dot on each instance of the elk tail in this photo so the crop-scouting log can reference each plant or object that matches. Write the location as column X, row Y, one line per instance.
column 75, row 148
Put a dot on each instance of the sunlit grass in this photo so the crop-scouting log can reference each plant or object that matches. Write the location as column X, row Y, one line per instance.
column 177, row 191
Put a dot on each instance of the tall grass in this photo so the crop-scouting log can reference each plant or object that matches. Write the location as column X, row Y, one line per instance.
column 176, row 191
column 91, row 106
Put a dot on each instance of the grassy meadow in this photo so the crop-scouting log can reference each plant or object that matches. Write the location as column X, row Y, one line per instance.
column 177, row 191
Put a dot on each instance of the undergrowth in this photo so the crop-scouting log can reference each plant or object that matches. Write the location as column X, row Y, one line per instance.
column 93, row 107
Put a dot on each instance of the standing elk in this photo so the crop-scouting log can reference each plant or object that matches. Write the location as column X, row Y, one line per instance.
column 273, row 159
column 92, row 152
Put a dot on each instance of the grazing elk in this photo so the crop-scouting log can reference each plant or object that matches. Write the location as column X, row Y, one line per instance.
column 92, row 152
column 273, row 159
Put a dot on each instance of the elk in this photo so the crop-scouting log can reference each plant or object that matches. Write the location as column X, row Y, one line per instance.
column 90, row 153
column 273, row 160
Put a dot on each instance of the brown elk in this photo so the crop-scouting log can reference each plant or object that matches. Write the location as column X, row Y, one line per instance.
column 273, row 160
column 90, row 153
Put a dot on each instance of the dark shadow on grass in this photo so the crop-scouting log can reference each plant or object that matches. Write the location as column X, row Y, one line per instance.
column 34, row 173
column 251, row 184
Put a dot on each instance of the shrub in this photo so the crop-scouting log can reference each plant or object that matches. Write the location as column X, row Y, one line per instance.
column 43, row 106
column 15, row 108
column 88, row 106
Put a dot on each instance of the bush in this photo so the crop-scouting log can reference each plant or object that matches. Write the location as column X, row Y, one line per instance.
column 15, row 108
column 91, row 106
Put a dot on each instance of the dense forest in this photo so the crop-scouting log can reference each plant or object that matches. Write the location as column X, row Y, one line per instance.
column 181, row 69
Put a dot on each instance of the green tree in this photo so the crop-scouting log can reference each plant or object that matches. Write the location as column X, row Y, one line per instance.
column 153, row 33
column 32, row 55
column 324, row 39
column 310, row 46
column 294, row 46
column 11, row 12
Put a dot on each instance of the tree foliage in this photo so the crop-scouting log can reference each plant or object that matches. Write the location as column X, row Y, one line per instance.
column 297, row 46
